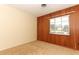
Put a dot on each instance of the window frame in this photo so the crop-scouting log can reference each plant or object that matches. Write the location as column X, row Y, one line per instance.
column 61, row 25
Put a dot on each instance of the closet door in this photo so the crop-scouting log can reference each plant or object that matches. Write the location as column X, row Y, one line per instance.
column 42, row 29
column 75, row 19
column 39, row 29
column 45, row 29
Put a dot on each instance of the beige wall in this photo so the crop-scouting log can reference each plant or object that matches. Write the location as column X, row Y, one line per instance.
column 16, row 27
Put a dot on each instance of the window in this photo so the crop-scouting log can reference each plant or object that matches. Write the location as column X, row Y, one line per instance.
column 60, row 25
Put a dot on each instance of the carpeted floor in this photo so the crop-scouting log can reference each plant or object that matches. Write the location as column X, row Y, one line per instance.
column 39, row 48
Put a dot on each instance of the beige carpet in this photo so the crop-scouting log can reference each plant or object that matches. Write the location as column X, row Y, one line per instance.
column 39, row 48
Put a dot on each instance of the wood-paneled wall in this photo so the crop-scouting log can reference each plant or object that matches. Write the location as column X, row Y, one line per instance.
column 72, row 40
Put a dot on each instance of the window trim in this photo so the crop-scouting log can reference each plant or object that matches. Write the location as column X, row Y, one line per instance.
column 61, row 26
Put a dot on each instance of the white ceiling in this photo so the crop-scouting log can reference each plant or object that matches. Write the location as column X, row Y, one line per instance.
column 37, row 10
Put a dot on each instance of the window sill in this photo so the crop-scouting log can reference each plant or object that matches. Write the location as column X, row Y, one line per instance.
column 59, row 34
